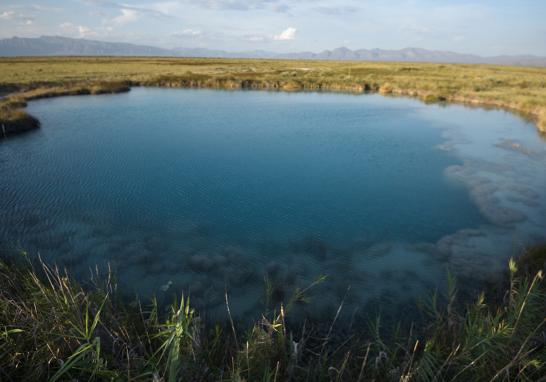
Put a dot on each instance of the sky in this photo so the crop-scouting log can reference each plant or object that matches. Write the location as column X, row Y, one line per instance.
column 486, row 27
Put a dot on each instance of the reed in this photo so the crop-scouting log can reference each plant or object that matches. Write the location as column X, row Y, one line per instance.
column 54, row 328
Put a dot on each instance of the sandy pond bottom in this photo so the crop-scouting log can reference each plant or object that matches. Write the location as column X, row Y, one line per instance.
column 203, row 191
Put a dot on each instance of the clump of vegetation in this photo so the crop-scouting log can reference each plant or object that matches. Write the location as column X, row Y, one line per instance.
column 13, row 119
column 291, row 86
column 53, row 328
column 433, row 98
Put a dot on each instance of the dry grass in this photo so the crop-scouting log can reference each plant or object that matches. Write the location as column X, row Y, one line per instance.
column 519, row 89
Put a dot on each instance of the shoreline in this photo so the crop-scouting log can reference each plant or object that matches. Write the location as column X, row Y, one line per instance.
column 16, row 120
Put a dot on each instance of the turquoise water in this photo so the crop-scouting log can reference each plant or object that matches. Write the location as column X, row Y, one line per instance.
column 203, row 191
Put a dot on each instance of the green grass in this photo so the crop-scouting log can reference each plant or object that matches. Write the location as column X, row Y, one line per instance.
column 53, row 328
column 519, row 89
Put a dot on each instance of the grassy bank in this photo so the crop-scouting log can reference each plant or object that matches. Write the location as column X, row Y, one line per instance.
column 53, row 328
column 519, row 89
column 13, row 118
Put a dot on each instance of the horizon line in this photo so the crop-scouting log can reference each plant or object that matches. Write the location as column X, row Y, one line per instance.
column 174, row 49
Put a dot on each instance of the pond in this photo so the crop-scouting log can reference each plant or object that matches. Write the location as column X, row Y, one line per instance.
column 261, row 193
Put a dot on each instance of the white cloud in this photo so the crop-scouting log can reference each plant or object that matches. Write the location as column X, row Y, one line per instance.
column 77, row 30
column 7, row 15
column 286, row 35
column 86, row 31
column 190, row 32
column 127, row 16
column 19, row 18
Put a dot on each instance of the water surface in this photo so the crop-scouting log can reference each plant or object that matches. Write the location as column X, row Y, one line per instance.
column 204, row 190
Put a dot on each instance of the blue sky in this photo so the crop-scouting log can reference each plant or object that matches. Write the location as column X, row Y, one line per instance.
column 486, row 27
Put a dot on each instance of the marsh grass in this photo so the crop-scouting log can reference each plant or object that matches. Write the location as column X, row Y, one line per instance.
column 54, row 328
column 13, row 118
column 519, row 89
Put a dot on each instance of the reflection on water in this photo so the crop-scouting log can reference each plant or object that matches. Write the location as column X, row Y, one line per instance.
column 200, row 191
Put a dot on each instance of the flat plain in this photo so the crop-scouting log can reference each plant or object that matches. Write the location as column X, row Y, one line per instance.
column 519, row 89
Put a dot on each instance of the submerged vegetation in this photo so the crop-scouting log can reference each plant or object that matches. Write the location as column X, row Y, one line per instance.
column 519, row 89
column 54, row 328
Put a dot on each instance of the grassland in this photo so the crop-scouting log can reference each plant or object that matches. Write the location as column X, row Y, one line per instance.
column 519, row 89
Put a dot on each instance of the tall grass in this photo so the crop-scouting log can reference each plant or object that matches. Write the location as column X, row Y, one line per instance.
column 53, row 328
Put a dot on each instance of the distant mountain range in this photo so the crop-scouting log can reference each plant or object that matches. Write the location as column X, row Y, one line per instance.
column 63, row 46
